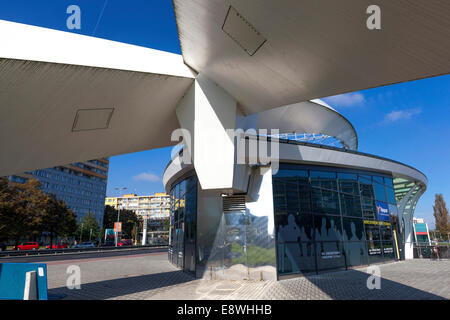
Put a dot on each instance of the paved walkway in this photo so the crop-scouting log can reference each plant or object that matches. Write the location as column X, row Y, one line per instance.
column 150, row 276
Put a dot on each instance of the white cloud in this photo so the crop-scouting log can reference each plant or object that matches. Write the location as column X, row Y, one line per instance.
column 398, row 115
column 146, row 176
column 346, row 99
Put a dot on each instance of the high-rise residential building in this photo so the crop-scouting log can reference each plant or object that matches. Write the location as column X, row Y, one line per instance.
column 81, row 185
column 155, row 207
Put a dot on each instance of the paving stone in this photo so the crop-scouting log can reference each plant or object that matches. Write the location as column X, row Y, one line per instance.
column 153, row 277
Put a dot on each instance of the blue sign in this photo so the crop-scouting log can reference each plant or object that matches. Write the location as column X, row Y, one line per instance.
column 421, row 228
column 12, row 280
column 383, row 211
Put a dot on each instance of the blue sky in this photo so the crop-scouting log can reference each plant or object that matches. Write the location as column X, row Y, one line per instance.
column 408, row 122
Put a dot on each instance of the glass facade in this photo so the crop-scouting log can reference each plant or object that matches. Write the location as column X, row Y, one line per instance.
column 183, row 224
column 332, row 218
column 83, row 189
column 323, row 219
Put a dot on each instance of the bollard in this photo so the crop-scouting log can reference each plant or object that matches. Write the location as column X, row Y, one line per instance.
column 30, row 291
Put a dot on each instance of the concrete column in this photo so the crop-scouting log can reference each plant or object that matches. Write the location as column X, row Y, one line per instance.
column 207, row 112
column 408, row 218
column 404, row 215
column 30, row 291
column 144, row 232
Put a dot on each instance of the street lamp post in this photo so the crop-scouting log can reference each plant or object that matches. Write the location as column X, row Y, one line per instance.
column 117, row 226
column 118, row 216
column 144, row 231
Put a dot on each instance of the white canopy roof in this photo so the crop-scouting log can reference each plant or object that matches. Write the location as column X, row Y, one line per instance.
column 270, row 53
column 65, row 97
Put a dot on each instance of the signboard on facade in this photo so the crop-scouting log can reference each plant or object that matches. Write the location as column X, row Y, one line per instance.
column 119, row 225
column 109, row 233
column 421, row 228
column 378, row 223
column 383, row 211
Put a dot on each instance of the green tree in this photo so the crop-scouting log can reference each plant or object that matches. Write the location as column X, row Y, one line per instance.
column 56, row 218
column 7, row 208
column 20, row 208
column 166, row 224
column 129, row 219
column 109, row 217
column 88, row 223
column 26, row 211
column 441, row 216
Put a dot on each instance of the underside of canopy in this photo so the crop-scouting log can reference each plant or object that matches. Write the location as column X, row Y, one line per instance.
column 273, row 53
column 66, row 98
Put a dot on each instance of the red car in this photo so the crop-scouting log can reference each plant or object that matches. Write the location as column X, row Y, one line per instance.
column 27, row 246
column 125, row 242
column 57, row 246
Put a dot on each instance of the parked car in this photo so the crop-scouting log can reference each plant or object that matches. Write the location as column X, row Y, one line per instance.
column 27, row 246
column 125, row 242
column 90, row 244
column 57, row 246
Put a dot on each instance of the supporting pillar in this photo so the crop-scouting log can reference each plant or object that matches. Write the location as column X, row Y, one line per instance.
column 30, row 291
column 408, row 215
column 144, row 232
column 207, row 112
column 401, row 206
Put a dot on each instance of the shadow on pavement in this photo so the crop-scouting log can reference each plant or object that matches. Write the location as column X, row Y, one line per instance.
column 352, row 285
column 136, row 286
column 344, row 285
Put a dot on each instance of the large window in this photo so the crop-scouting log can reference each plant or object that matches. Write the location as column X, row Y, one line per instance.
column 328, row 218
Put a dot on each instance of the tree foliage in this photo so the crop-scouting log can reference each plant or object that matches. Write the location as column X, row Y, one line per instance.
column 26, row 212
column 88, row 223
column 441, row 216
column 7, row 209
column 56, row 218
column 166, row 224
column 130, row 221
column 20, row 209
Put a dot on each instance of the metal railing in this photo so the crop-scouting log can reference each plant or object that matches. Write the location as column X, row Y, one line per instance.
column 15, row 253
column 427, row 251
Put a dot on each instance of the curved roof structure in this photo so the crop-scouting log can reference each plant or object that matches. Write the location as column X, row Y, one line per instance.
column 329, row 156
column 309, row 117
column 405, row 177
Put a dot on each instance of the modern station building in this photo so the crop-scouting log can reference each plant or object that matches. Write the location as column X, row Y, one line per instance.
column 247, row 76
column 316, row 208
